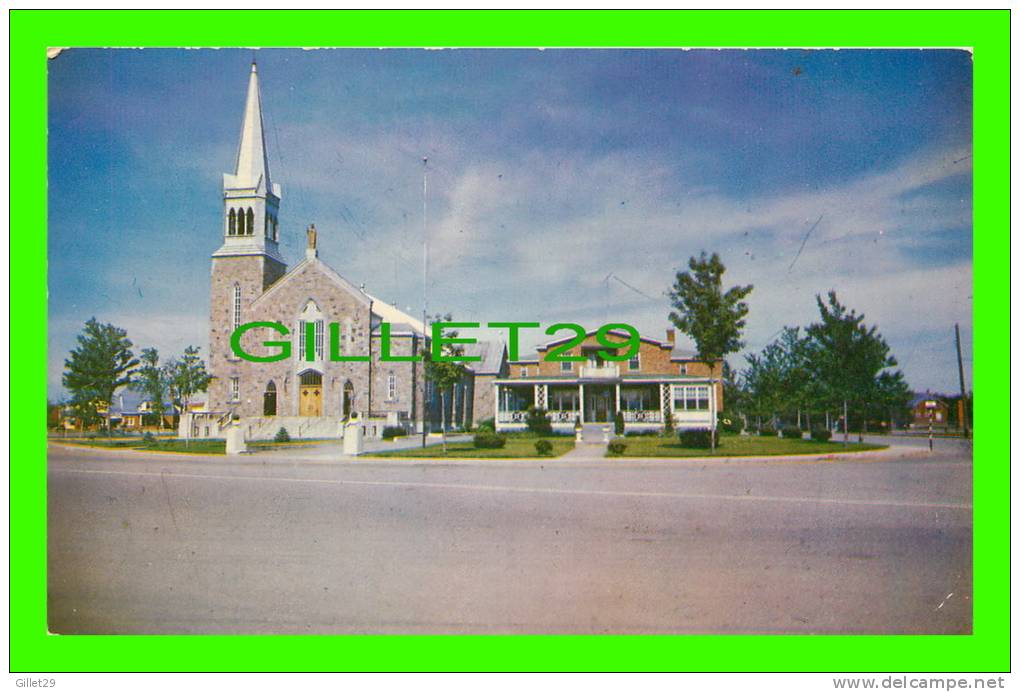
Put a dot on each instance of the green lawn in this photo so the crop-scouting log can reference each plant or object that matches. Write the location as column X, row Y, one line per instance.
column 192, row 447
column 736, row 446
column 517, row 447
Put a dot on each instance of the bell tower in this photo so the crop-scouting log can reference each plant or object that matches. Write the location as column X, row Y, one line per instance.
column 248, row 260
column 251, row 201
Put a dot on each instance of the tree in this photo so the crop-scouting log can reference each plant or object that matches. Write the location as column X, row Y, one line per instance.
column 712, row 318
column 101, row 364
column 848, row 361
column 186, row 377
column 153, row 381
column 777, row 380
column 763, row 381
column 444, row 375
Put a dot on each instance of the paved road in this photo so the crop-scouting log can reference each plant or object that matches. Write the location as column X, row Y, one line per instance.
column 166, row 544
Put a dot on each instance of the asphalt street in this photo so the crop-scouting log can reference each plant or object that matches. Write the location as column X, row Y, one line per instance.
column 277, row 544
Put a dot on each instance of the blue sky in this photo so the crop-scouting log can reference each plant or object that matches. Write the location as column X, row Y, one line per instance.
column 549, row 171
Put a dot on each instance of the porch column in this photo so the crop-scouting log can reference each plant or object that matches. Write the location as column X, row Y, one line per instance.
column 617, row 397
column 663, row 393
column 495, row 405
column 581, row 398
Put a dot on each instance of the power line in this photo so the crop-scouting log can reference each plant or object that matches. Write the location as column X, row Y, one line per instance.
column 803, row 243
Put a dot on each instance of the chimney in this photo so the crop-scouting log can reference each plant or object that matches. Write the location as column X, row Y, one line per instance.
column 670, row 336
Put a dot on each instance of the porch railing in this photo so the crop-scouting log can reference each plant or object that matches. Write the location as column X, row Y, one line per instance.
column 564, row 416
column 511, row 416
column 642, row 416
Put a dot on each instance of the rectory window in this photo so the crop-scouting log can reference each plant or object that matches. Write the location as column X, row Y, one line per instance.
column 690, row 398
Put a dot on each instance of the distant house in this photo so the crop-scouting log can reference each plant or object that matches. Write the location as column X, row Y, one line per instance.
column 929, row 407
column 661, row 380
column 132, row 411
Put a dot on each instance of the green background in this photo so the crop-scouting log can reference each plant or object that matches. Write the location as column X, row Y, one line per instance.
column 986, row 32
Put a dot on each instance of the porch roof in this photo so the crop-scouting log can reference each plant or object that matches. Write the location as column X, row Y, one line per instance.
column 623, row 379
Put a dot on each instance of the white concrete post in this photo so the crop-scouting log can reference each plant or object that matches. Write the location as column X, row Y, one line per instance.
column 235, row 439
column 353, row 442
column 617, row 397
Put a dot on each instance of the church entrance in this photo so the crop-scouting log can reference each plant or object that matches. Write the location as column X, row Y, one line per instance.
column 310, row 397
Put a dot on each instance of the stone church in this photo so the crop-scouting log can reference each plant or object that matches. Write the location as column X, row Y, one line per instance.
column 310, row 393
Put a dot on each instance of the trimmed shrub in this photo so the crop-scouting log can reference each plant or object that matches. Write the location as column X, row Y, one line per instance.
column 792, row 433
column 618, row 425
column 616, row 448
column 282, row 435
column 696, row 438
column 489, row 440
column 730, row 423
column 667, row 422
column 148, row 438
column 642, row 433
column 538, row 422
column 391, row 431
column 543, row 447
column 821, row 434
column 767, row 431
column 487, row 424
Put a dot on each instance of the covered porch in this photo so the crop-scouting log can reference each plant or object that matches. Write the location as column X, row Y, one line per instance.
column 643, row 404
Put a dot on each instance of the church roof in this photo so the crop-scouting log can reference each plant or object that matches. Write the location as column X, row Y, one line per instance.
column 492, row 357
column 251, row 169
column 395, row 316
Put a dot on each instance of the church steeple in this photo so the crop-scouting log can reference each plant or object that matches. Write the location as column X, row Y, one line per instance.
column 251, row 201
column 251, row 169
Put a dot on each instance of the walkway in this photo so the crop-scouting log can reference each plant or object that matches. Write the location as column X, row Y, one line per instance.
column 592, row 444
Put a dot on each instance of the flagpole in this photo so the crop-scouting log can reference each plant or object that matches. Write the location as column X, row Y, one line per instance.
column 424, row 287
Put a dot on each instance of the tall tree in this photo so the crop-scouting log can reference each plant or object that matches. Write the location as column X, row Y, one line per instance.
column 444, row 375
column 713, row 318
column 847, row 359
column 152, row 381
column 101, row 364
column 187, row 377
column 777, row 379
column 762, row 379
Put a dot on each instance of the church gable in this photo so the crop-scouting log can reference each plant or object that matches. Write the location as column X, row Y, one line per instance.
column 316, row 280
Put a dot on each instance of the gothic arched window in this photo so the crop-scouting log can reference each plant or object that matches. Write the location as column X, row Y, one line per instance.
column 251, row 222
column 232, row 224
column 269, row 400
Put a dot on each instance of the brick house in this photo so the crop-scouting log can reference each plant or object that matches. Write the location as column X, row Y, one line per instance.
column 928, row 407
column 661, row 379
column 310, row 394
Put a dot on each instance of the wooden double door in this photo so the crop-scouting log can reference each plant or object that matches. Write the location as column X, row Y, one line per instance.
column 310, row 395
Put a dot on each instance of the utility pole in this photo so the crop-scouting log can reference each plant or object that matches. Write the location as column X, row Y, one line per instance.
column 424, row 291
column 962, row 409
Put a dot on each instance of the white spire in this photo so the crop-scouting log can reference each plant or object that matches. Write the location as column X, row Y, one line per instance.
column 252, row 169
